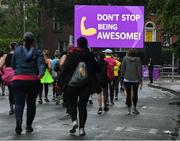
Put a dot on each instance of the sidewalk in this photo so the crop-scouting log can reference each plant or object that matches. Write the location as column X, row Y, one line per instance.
column 167, row 85
column 174, row 88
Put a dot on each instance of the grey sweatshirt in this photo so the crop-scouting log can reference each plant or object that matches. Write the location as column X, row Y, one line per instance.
column 131, row 69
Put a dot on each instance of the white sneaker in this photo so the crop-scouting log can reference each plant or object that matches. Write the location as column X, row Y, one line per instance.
column 81, row 132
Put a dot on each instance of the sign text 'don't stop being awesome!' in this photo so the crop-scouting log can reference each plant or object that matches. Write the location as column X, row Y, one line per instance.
column 110, row 26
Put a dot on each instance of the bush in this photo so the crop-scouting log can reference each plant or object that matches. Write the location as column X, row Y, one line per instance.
column 4, row 44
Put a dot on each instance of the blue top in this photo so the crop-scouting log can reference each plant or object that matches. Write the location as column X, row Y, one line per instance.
column 26, row 61
column 54, row 62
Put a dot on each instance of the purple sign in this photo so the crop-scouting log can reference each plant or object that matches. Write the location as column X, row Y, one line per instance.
column 146, row 73
column 110, row 26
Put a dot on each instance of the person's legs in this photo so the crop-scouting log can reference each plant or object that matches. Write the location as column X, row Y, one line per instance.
column 135, row 96
column 46, row 89
column 100, row 100
column 65, row 102
column 72, row 98
column 105, row 94
column 11, row 100
column 3, row 89
column 73, row 103
column 54, row 90
column 112, row 92
column 31, row 102
column 108, row 92
column 128, row 98
column 151, row 76
column 40, row 93
column 90, row 100
column 116, row 87
column 18, row 89
column 82, row 106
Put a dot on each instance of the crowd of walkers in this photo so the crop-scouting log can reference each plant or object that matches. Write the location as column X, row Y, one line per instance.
column 74, row 75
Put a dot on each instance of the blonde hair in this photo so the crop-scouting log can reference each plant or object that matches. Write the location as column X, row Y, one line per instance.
column 46, row 53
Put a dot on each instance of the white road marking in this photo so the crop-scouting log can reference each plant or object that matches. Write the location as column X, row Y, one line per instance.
column 131, row 129
column 119, row 128
column 153, row 131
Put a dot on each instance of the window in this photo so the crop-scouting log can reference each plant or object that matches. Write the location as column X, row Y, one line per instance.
column 62, row 46
column 149, row 25
column 56, row 21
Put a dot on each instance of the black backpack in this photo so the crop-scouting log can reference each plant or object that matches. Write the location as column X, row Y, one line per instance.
column 80, row 76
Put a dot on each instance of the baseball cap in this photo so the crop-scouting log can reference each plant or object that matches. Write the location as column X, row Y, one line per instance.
column 107, row 51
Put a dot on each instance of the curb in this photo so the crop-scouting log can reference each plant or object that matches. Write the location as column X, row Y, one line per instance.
column 165, row 89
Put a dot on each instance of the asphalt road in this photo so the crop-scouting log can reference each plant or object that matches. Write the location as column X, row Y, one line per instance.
column 155, row 122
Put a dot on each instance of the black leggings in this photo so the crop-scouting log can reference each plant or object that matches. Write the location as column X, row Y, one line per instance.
column 46, row 89
column 116, row 85
column 111, row 90
column 128, row 86
column 25, row 91
column 11, row 96
column 76, row 100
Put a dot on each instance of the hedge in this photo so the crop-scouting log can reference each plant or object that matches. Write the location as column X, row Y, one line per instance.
column 4, row 43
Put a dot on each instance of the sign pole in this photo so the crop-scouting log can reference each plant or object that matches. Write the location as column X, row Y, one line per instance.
column 173, row 67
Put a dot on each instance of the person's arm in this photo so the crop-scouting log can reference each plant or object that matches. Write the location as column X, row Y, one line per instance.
column 140, row 71
column 40, row 63
column 13, row 61
column 123, row 67
column 62, row 60
column 2, row 60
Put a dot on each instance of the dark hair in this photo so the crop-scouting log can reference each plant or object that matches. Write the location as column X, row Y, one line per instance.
column 1, row 53
column 57, row 54
column 82, row 42
column 132, row 52
column 101, row 55
column 28, row 37
column 13, row 45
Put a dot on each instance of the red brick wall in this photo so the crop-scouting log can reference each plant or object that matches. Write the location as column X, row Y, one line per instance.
column 51, row 38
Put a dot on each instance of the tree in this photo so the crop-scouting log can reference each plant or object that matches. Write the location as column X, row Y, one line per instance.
column 65, row 8
column 168, row 13
column 13, row 16
column 11, row 25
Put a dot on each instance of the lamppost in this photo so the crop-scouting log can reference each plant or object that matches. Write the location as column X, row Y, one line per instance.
column 168, row 43
column 24, row 16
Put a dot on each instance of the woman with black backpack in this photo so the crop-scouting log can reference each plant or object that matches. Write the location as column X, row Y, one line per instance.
column 78, row 93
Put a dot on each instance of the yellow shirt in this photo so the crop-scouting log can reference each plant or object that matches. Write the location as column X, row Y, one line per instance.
column 117, row 68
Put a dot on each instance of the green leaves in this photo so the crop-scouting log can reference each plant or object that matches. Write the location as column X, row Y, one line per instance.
column 4, row 43
column 13, row 17
column 168, row 13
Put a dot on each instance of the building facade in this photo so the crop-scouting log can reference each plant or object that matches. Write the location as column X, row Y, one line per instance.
column 55, row 36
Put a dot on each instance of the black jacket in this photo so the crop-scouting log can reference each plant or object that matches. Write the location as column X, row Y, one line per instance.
column 102, row 74
column 70, row 65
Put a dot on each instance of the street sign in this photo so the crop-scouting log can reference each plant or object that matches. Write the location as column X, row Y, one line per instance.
column 110, row 26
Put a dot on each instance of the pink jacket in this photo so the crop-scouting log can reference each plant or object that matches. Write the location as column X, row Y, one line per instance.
column 110, row 60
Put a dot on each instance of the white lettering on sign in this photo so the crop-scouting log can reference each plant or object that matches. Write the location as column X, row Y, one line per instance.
column 130, row 17
column 107, row 17
column 107, row 27
column 119, row 35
